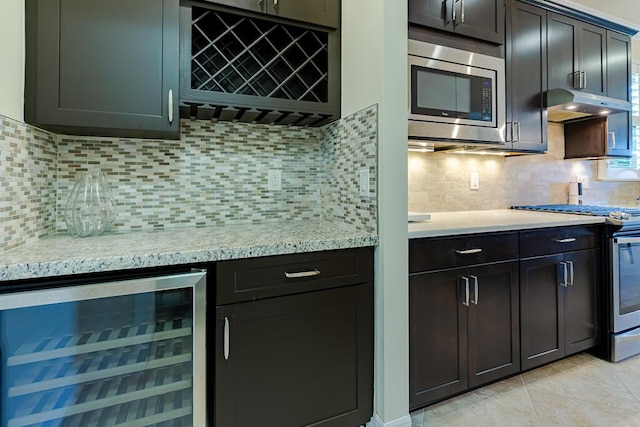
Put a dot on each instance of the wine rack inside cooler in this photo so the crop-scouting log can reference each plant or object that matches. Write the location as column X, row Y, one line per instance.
column 123, row 360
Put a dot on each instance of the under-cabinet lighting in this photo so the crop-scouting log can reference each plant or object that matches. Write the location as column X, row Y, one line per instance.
column 421, row 147
column 605, row 112
column 570, row 107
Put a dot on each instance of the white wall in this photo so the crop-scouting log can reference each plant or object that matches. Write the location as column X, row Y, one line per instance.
column 374, row 70
column 12, row 54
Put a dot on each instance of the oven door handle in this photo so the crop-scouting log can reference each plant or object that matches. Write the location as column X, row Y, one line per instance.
column 623, row 240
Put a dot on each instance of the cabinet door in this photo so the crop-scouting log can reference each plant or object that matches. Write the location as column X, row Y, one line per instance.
column 437, row 336
column 296, row 360
column 436, row 14
column 593, row 61
column 562, row 47
column 541, row 311
column 527, row 68
column 618, row 86
column 493, row 331
column 253, row 5
column 321, row 12
column 581, row 301
column 481, row 19
column 103, row 68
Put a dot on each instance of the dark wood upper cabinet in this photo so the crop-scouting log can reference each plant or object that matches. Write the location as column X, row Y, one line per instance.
column 619, row 86
column 480, row 19
column 527, row 76
column 576, row 54
column 103, row 68
column 320, row 12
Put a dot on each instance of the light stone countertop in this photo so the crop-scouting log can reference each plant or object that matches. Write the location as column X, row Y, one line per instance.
column 469, row 222
column 63, row 254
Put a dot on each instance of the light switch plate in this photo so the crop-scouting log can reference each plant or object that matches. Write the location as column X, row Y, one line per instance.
column 274, row 179
column 475, row 181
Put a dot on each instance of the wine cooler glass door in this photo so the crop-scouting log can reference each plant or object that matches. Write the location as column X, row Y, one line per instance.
column 115, row 353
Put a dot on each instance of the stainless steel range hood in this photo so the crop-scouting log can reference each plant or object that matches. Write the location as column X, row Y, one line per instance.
column 564, row 104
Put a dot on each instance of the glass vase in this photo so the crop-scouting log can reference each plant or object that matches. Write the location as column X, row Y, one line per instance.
column 90, row 208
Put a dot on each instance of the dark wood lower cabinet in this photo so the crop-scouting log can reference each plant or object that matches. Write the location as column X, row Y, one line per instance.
column 558, row 317
column 459, row 340
column 297, row 360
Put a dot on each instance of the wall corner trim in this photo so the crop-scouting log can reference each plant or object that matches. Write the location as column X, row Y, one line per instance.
column 376, row 421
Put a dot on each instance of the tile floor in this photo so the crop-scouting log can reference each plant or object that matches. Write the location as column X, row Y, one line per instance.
column 581, row 390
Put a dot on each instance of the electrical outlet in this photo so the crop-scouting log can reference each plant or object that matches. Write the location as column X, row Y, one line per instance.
column 364, row 182
column 274, row 179
column 475, row 181
column 584, row 179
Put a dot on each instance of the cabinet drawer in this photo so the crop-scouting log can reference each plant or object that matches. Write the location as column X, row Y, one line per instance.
column 556, row 240
column 256, row 278
column 439, row 253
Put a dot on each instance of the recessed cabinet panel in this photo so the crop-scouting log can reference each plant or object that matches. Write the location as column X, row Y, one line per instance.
column 563, row 52
column 527, row 76
column 593, row 42
column 298, row 360
column 480, row 19
column 321, row 12
column 542, row 305
column 494, row 339
column 581, row 302
column 438, row 336
column 103, row 68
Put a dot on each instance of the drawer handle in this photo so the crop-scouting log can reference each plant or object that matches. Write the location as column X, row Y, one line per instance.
column 567, row 240
column 309, row 273
column 468, row 251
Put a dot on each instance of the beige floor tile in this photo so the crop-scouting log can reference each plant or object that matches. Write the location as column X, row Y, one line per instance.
column 502, row 404
column 583, row 377
column 581, row 390
column 557, row 409
column 628, row 372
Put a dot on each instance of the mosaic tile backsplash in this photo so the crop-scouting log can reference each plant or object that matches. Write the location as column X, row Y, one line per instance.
column 27, row 183
column 439, row 182
column 216, row 174
column 347, row 147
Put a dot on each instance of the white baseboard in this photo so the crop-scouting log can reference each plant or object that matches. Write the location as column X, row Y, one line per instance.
column 400, row 422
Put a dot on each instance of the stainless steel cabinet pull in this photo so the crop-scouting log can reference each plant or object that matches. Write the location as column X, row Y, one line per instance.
column 583, row 80
column 453, row 8
column 563, row 282
column 576, row 80
column 468, row 251
column 275, row 3
column 226, row 338
column 466, row 293
column 567, row 240
column 612, row 139
column 462, row 11
column 310, row 273
column 170, row 106
column 475, row 291
column 517, row 125
column 570, row 264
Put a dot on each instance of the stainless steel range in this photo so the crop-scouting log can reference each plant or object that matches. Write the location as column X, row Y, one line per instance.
column 622, row 274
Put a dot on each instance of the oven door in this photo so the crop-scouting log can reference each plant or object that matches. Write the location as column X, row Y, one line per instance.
column 625, row 269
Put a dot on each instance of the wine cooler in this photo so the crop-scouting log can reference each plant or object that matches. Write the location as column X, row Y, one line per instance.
column 125, row 353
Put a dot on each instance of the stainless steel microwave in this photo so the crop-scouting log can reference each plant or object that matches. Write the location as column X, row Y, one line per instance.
column 455, row 95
